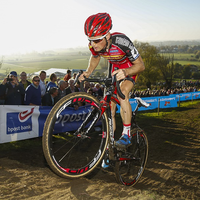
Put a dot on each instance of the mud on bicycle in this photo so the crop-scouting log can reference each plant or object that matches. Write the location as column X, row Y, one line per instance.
column 75, row 145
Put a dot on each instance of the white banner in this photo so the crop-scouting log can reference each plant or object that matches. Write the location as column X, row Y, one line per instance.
column 18, row 122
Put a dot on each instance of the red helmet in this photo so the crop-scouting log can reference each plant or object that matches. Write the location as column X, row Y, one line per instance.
column 99, row 24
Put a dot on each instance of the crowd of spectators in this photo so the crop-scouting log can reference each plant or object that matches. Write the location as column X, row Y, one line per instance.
column 163, row 92
column 44, row 93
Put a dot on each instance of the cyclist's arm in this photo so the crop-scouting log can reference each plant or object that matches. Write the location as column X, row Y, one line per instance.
column 93, row 62
column 136, row 68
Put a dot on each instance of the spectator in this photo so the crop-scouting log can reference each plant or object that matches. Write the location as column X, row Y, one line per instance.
column 90, row 91
column 24, row 81
column 74, row 76
column 11, row 90
column 86, row 86
column 67, row 76
column 42, row 83
column 71, row 88
column 52, row 83
column 61, row 90
column 49, row 98
column 33, row 92
column 96, row 88
column 78, row 86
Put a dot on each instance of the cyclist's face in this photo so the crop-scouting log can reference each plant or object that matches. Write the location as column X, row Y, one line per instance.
column 98, row 44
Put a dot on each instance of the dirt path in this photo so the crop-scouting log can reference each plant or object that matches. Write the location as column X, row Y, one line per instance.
column 172, row 172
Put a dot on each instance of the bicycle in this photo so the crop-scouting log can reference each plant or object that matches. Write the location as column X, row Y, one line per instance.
column 74, row 145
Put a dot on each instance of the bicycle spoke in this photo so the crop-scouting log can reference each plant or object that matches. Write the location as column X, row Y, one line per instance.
column 78, row 154
column 130, row 164
column 69, row 151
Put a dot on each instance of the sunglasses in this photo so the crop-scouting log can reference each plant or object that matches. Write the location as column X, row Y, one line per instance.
column 98, row 39
column 36, row 80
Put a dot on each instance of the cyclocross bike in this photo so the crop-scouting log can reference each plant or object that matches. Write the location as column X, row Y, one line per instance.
column 78, row 134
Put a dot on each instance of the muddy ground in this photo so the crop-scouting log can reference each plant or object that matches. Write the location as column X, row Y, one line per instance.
column 172, row 171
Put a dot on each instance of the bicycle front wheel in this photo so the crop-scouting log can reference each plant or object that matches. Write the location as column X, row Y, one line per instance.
column 130, row 163
column 75, row 135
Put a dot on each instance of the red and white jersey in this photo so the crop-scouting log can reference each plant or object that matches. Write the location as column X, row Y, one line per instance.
column 121, row 53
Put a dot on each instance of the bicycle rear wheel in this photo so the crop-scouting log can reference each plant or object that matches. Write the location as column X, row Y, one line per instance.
column 75, row 138
column 130, row 163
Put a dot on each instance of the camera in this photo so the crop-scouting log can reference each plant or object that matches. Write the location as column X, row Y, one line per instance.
column 9, row 79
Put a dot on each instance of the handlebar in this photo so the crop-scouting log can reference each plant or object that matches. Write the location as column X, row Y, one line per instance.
column 104, row 80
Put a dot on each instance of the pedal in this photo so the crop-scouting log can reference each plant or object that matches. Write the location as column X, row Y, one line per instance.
column 122, row 148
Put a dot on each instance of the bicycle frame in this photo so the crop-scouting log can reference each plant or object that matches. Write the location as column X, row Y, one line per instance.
column 68, row 153
column 109, row 97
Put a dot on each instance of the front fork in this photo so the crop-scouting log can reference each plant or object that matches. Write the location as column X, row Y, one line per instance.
column 93, row 114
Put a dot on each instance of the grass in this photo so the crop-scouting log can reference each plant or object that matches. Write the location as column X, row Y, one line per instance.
column 184, row 58
column 167, row 111
column 29, row 143
column 184, row 62
column 37, row 64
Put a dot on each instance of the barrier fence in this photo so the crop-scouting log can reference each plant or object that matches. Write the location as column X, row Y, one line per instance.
column 25, row 122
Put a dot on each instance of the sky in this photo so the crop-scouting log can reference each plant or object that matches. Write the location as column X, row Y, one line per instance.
column 27, row 25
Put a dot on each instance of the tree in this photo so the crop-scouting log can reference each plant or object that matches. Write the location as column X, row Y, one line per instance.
column 196, row 75
column 197, row 55
column 178, row 68
column 149, row 55
column 186, row 72
column 166, row 67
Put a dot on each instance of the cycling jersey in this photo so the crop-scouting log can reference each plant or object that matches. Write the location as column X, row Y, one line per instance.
column 120, row 54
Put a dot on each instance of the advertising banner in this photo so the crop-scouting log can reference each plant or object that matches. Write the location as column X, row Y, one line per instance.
column 185, row 96
column 195, row 95
column 24, row 122
column 68, row 120
column 18, row 122
column 168, row 102
column 153, row 101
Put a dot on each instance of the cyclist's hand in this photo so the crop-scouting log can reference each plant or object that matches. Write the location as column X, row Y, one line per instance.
column 83, row 75
column 121, row 74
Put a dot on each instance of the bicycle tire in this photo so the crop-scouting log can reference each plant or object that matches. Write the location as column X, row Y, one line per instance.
column 72, row 154
column 131, row 163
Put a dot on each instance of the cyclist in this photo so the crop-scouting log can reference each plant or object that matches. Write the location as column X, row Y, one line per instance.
column 124, row 60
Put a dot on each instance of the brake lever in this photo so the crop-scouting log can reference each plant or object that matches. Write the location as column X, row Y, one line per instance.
column 77, row 76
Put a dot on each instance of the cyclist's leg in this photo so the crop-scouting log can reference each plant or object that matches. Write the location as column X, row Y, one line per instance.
column 126, row 111
column 126, row 114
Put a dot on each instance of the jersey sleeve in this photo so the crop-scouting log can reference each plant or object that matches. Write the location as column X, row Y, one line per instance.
column 127, row 46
